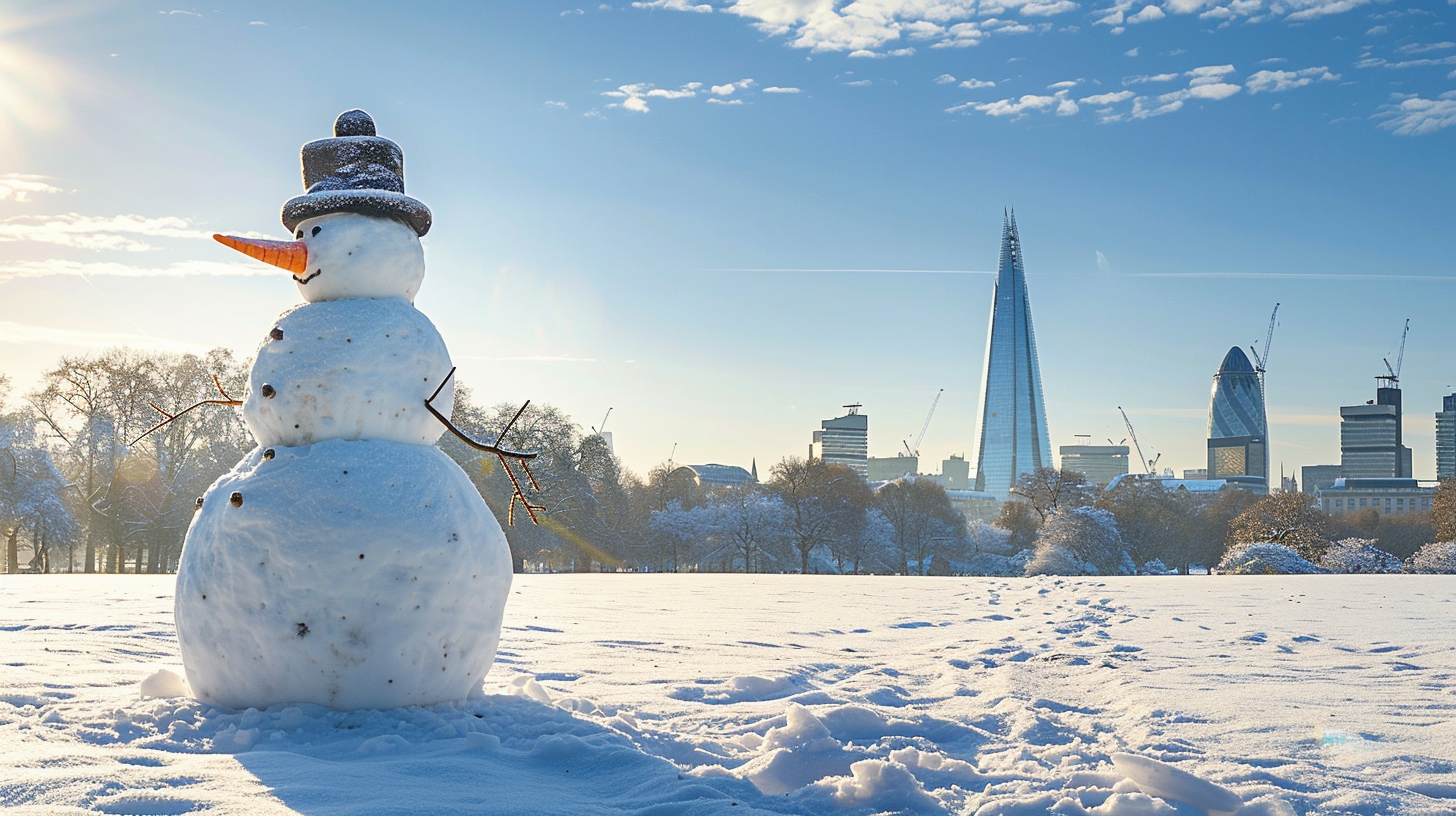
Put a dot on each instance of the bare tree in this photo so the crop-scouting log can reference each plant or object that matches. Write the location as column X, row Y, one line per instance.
column 923, row 520
column 1049, row 490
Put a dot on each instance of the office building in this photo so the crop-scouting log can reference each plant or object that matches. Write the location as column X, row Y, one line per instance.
column 1318, row 477
column 890, row 468
column 956, row 473
column 844, row 441
column 1385, row 496
column 1370, row 438
column 1013, row 435
column 1237, row 423
column 1099, row 463
column 1446, row 438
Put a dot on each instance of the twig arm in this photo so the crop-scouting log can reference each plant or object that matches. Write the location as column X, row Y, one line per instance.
column 503, row 454
column 227, row 399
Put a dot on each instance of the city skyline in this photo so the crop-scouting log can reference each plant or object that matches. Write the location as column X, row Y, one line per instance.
column 725, row 220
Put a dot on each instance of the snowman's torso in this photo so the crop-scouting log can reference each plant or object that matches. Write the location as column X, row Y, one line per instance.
column 348, row 369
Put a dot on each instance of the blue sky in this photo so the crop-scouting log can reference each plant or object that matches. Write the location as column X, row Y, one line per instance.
column 726, row 219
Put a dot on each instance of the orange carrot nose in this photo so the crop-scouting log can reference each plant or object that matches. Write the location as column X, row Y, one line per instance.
column 290, row 255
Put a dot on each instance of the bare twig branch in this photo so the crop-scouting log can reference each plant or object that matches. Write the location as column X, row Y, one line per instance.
column 503, row 454
column 227, row 399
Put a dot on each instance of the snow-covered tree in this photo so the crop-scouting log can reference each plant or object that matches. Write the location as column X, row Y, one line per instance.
column 1050, row 491
column 32, row 500
column 1358, row 555
column 740, row 528
column 1080, row 541
column 825, row 502
column 1264, row 558
column 1290, row 519
column 1438, row 558
column 924, row 522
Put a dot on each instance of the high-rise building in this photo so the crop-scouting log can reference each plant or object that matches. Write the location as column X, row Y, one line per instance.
column 1370, row 438
column 1099, row 463
column 844, row 441
column 957, row 472
column 1318, row 477
column 1013, row 437
column 1237, row 424
column 890, row 468
column 1446, row 438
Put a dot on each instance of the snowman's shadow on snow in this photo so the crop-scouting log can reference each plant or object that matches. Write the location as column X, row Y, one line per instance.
column 494, row 754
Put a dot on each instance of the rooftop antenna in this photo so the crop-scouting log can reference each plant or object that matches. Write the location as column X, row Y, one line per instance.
column 671, row 455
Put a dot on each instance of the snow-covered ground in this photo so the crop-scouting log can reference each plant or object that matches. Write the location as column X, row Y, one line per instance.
column 689, row 694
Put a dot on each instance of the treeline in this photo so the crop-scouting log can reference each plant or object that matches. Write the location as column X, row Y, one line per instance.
column 76, row 495
column 1063, row 526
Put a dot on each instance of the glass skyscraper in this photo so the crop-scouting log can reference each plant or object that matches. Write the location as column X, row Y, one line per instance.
column 1238, row 444
column 1013, row 437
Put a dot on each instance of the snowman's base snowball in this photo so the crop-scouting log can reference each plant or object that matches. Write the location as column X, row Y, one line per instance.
column 350, row 574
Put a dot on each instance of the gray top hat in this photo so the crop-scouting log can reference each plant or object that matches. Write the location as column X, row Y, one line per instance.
column 356, row 171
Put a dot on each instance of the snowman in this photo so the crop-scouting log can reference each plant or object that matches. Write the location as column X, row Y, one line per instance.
column 346, row 561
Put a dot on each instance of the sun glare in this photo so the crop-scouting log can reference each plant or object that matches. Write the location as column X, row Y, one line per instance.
column 32, row 88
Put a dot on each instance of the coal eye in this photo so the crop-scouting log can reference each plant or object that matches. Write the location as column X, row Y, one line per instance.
column 298, row 234
column 317, row 230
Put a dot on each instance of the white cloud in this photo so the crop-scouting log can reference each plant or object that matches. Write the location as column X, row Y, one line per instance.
column 1376, row 31
column 1417, row 116
column 1141, row 79
column 1102, row 263
column 1275, row 81
column 1016, row 107
column 1209, row 74
column 551, row 103
column 1131, row 52
column 1185, row 6
column 673, row 5
column 58, row 268
column 944, row 79
column 1148, row 14
column 634, row 97
column 97, row 233
column 859, row 83
column 573, row 13
column 1421, row 48
column 1066, row 83
column 19, row 187
column 716, row 101
column 728, row 89
column 976, row 84
column 182, row 12
column 774, row 89
column 22, row 334
column 1216, row 90
column 1108, row 98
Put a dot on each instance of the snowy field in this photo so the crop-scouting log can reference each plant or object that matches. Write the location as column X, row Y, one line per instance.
column 692, row 694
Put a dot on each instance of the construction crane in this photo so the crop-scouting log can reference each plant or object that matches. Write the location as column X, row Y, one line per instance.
column 915, row 451
column 604, row 423
column 1394, row 373
column 1146, row 462
column 1262, row 362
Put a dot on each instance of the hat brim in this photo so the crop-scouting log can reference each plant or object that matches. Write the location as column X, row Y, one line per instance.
column 365, row 202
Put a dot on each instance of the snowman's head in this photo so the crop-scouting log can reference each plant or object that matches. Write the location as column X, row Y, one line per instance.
column 345, row 255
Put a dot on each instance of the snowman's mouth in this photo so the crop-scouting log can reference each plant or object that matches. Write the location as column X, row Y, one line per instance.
column 302, row 281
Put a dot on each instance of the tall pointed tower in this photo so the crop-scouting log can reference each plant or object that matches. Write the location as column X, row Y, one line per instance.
column 1013, row 418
